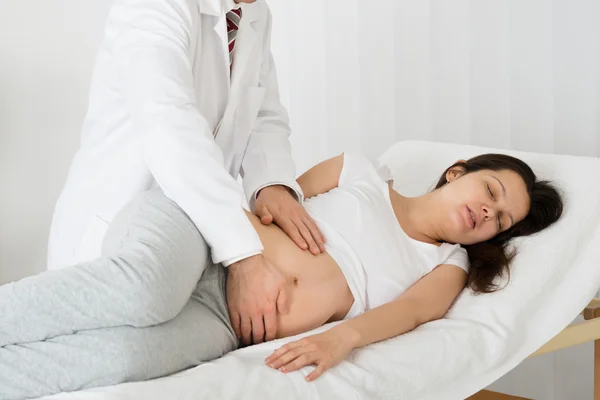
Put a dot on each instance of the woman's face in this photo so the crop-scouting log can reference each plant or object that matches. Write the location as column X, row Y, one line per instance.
column 479, row 205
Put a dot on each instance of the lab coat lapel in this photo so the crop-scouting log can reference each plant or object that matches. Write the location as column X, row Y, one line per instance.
column 222, row 79
column 220, row 29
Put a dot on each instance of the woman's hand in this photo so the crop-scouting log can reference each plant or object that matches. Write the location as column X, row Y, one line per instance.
column 324, row 350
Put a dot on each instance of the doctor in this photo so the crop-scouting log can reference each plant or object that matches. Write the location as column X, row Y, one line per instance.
column 184, row 96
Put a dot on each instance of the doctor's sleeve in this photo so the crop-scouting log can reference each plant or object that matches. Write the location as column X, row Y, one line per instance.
column 268, row 158
column 152, row 40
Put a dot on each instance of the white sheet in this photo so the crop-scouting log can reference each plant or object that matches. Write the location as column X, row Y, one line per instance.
column 482, row 338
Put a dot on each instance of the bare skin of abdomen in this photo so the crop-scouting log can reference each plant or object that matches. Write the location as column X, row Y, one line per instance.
column 317, row 289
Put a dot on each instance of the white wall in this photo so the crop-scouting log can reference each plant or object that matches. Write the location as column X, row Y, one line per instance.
column 355, row 75
column 46, row 54
column 520, row 74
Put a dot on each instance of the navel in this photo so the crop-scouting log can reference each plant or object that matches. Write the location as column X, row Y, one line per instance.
column 295, row 281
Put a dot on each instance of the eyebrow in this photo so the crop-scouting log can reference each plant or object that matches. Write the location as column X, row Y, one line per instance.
column 512, row 221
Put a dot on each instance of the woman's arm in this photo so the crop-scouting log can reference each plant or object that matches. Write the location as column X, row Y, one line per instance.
column 428, row 299
column 322, row 177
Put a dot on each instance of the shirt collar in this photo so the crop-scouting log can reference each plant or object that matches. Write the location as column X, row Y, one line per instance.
column 217, row 7
column 229, row 5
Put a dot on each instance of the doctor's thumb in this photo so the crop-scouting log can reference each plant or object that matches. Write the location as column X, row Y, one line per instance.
column 283, row 305
column 265, row 216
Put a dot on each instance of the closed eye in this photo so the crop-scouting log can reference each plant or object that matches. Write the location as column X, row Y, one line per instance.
column 490, row 192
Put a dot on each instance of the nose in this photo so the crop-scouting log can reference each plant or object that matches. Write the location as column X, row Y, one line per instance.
column 488, row 212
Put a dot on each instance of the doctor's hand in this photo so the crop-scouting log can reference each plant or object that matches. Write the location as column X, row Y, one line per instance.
column 255, row 293
column 276, row 204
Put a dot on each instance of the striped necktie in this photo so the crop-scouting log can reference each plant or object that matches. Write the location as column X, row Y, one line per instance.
column 233, row 23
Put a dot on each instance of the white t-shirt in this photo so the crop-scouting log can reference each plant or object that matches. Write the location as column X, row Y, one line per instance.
column 379, row 260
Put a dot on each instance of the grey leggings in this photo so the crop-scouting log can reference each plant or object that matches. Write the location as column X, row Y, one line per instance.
column 153, row 305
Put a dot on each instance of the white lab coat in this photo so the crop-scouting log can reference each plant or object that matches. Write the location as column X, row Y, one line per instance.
column 163, row 110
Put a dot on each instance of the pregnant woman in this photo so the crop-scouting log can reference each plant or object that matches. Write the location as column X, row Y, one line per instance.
column 155, row 304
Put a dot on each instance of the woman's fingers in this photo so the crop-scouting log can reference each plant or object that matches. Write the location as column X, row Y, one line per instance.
column 301, row 361
column 283, row 350
column 296, row 355
column 317, row 372
column 288, row 357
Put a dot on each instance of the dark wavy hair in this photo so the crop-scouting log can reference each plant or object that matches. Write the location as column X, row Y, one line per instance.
column 492, row 258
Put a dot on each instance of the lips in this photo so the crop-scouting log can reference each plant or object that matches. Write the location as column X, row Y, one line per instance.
column 471, row 218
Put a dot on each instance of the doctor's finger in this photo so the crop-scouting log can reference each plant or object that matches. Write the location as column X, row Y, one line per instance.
column 258, row 329
column 246, row 330
column 307, row 235
column 316, row 233
column 292, row 231
column 270, row 324
column 235, row 322
column 283, row 305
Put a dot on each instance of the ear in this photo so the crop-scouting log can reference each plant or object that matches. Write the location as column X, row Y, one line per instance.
column 455, row 172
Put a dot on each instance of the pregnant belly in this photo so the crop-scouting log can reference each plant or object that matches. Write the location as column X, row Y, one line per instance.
column 316, row 287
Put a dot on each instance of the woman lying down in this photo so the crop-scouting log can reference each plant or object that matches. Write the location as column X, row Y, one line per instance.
column 155, row 305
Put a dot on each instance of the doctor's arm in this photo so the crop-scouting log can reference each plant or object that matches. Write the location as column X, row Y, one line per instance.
column 151, row 43
column 268, row 170
column 427, row 300
column 152, row 52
